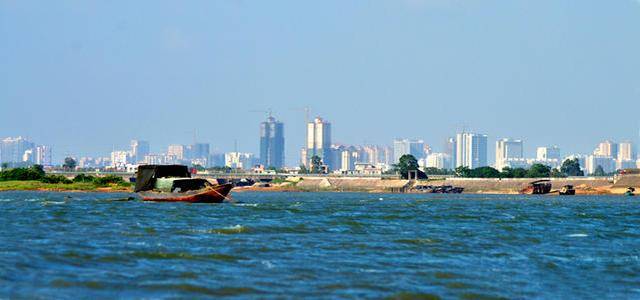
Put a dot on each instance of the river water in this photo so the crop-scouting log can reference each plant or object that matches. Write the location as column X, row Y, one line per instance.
column 319, row 245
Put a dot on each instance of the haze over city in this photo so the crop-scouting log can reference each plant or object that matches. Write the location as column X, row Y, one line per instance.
column 87, row 77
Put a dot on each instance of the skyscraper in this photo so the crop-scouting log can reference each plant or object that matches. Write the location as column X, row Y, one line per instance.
column 548, row 153
column 176, row 152
column 12, row 149
column 43, row 155
column 272, row 143
column 139, row 149
column 607, row 148
column 450, row 149
column 625, row 151
column 318, row 141
column 471, row 150
column 199, row 151
column 406, row 146
column 507, row 149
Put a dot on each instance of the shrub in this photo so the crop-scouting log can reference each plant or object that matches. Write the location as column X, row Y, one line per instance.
column 83, row 178
column 33, row 173
column 56, row 179
column 106, row 180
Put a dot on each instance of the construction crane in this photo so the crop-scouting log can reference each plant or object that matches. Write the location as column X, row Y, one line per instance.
column 306, row 110
column 268, row 112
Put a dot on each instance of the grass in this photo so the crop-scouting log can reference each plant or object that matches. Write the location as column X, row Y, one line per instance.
column 18, row 185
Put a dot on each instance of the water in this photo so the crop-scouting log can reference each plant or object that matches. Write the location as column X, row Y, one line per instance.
column 324, row 245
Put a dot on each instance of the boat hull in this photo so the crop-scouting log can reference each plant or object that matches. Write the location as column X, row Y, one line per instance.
column 215, row 194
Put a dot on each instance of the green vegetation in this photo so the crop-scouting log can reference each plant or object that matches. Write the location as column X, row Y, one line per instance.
column 571, row 167
column 69, row 163
column 408, row 163
column 436, row 171
column 316, row 164
column 536, row 171
column 599, row 171
column 34, row 178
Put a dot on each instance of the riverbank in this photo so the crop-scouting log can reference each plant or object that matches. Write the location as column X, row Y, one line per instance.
column 34, row 185
column 582, row 185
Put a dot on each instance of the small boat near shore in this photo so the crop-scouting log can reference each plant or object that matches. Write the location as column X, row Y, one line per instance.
column 173, row 183
column 630, row 192
column 538, row 187
column 567, row 190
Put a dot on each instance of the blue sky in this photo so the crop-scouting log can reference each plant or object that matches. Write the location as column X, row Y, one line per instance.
column 88, row 76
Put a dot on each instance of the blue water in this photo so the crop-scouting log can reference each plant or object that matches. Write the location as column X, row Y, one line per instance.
column 325, row 245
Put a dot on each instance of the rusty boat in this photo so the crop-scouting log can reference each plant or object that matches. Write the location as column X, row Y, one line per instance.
column 173, row 183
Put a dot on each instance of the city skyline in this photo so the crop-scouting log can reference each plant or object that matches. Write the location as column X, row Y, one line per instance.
column 95, row 82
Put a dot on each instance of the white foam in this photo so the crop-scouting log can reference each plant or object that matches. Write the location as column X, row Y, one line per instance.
column 578, row 235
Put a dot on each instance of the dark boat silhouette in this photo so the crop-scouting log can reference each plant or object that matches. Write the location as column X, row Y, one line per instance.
column 173, row 183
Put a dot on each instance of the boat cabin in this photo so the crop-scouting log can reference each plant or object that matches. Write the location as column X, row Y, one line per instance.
column 168, row 179
column 541, row 187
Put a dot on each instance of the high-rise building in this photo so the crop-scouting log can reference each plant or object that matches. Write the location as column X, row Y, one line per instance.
column 119, row 159
column 318, row 141
column 625, row 151
column 406, row 146
column 471, row 150
column 199, row 151
column 139, row 149
column 272, row 143
column 43, row 155
column 176, row 152
column 438, row 161
column 239, row 160
column 450, row 149
column 12, row 150
column 607, row 148
column 592, row 163
column 548, row 153
column 507, row 149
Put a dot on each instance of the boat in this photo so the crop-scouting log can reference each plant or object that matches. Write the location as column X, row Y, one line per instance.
column 567, row 190
column 630, row 192
column 173, row 183
column 538, row 187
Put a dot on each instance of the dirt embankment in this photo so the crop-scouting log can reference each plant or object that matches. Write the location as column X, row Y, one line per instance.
column 583, row 186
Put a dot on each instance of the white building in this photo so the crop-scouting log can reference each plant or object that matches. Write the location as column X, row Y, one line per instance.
column 43, row 155
column 139, row 149
column 548, row 152
column 239, row 160
column 508, row 149
column 607, row 163
column 318, row 142
column 406, row 146
column 471, row 150
column 438, row 160
column 625, row 153
column 607, row 148
column 119, row 159
column 177, row 152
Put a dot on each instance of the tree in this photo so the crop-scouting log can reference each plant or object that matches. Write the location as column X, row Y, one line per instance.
column 599, row 171
column 485, row 172
column 4, row 166
column 38, row 169
column 571, row 167
column 539, row 170
column 69, row 163
column 557, row 173
column 463, row 171
column 408, row 163
column 303, row 170
column 316, row 164
column 436, row 171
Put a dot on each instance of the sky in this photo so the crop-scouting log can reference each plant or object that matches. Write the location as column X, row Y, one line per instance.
column 88, row 76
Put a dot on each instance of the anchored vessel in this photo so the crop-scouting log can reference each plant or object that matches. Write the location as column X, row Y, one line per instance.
column 173, row 183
